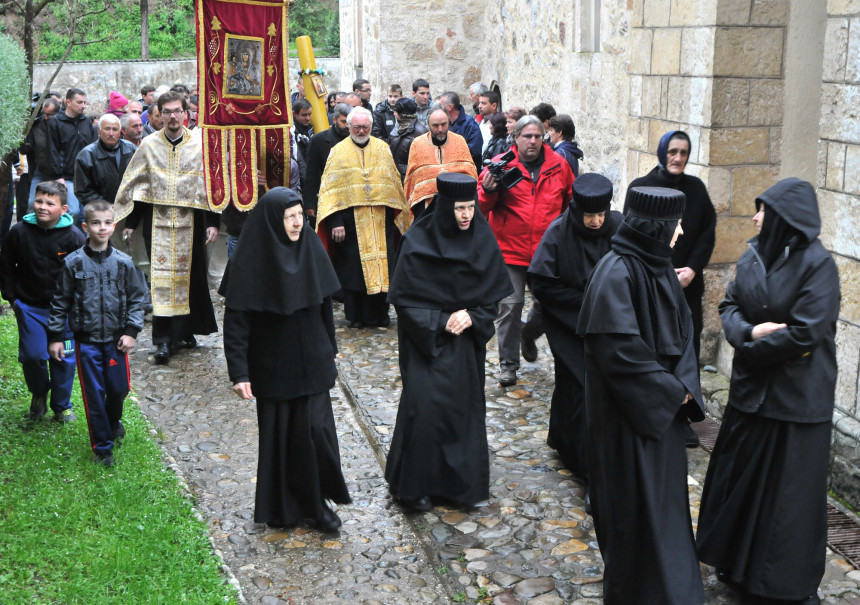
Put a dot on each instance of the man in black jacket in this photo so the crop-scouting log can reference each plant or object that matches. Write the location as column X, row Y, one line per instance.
column 384, row 121
column 37, row 147
column 68, row 133
column 99, row 166
column 318, row 151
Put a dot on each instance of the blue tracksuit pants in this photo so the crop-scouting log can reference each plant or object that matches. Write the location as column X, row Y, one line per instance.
column 41, row 373
column 105, row 381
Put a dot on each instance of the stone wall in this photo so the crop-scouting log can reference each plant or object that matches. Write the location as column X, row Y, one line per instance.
column 99, row 78
column 838, row 183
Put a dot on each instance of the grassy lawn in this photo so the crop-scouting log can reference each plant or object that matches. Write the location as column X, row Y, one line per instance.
column 72, row 531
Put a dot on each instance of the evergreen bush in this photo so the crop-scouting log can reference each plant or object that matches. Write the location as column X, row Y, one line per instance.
column 15, row 84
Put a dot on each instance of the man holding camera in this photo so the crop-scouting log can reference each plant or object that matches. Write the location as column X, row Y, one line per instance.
column 519, row 211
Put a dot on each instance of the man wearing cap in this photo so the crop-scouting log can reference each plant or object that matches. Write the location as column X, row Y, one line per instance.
column 361, row 216
column 643, row 385
column 431, row 154
column 409, row 127
column 569, row 250
column 693, row 251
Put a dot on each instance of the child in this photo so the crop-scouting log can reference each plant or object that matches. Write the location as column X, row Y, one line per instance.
column 102, row 293
column 30, row 263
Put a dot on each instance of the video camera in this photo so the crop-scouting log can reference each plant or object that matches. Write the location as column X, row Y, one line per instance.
column 506, row 178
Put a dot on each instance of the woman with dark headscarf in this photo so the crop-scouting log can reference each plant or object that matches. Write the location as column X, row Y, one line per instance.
column 280, row 346
column 448, row 280
column 642, row 384
column 762, row 521
column 570, row 248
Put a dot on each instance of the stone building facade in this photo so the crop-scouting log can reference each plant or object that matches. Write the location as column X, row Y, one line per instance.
column 765, row 88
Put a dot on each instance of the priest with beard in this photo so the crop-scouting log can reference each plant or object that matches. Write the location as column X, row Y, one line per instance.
column 362, row 214
column 570, row 248
column 642, row 384
column 280, row 346
column 449, row 278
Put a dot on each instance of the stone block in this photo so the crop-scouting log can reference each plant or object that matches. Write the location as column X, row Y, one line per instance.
column 666, row 51
column 732, row 235
column 724, row 356
column 730, row 106
column 821, row 164
column 733, row 12
column 835, row 50
column 720, row 188
column 852, row 63
column 843, row 7
column 637, row 9
column 835, row 167
column 754, row 52
column 652, row 97
column 775, row 145
column 840, row 117
column 702, row 150
column 849, row 284
column 732, row 146
column 697, row 51
column 656, row 13
column 634, row 107
column 848, row 363
column 846, row 438
column 840, row 215
column 769, row 12
column 748, row 182
column 641, row 41
column 632, row 173
column 766, row 102
column 852, row 169
column 637, row 134
column 693, row 12
column 845, row 480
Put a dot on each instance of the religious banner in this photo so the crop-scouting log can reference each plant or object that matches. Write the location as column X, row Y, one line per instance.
column 242, row 69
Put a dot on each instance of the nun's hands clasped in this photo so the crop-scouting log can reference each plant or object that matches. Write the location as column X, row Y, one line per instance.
column 458, row 322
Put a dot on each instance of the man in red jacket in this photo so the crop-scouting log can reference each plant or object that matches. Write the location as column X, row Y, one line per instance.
column 519, row 215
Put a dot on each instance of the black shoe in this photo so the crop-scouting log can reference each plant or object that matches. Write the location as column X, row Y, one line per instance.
column 421, row 505
column 384, row 322
column 690, row 436
column 118, row 431
column 162, row 354
column 355, row 324
column 529, row 347
column 508, row 378
column 329, row 522
column 105, row 459
column 189, row 343
column 38, row 406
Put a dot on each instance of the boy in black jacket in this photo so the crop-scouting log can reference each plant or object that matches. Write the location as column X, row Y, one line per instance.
column 30, row 263
column 102, row 293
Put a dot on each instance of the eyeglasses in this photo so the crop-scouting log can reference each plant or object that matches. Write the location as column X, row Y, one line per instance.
column 172, row 112
column 359, row 127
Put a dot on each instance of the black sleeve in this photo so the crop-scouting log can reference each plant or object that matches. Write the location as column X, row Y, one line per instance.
column 85, row 189
column 423, row 327
column 213, row 219
column 328, row 321
column 133, row 219
column 483, row 327
column 8, row 262
column 55, row 170
column 237, row 330
column 700, row 255
column 551, row 292
column 313, row 175
column 135, row 295
column 61, row 303
column 336, row 219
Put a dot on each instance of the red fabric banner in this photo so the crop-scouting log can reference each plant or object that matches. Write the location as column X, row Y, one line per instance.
column 242, row 71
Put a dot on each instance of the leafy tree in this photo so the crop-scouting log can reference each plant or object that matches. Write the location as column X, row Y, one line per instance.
column 15, row 84
column 316, row 19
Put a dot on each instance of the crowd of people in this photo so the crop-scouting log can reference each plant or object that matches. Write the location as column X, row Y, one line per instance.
column 450, row 216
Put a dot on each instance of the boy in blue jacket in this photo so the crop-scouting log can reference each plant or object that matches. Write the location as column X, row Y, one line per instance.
column 102, row 293
column 30, row 263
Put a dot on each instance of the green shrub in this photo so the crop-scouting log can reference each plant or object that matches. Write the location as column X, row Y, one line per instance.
column 15, row 84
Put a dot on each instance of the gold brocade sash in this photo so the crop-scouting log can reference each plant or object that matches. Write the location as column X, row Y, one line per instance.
column 372, row 247
column 172, row 235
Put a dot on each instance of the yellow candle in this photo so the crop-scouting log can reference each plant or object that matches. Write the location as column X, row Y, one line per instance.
column 319, row 116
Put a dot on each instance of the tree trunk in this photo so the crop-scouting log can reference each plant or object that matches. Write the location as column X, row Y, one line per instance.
column 144, row 29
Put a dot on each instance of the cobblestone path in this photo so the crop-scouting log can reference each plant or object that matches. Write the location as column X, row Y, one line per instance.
column 532, row 543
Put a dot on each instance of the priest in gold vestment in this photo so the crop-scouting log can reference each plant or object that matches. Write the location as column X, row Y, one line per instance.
column 361, row 215
column 163, row 191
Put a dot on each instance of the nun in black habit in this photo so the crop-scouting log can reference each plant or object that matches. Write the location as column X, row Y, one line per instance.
column 570, row 248
column 448, row 280
column 641, row 386
column 280, row 346
column 762, row 521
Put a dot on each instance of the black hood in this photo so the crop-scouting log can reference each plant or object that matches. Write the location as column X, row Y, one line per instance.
column 794, row 200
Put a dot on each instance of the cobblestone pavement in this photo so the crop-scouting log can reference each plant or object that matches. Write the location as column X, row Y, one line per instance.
column 532, row 543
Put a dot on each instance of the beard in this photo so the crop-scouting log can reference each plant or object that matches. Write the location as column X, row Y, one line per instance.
column 360, row 139
column 440, row 139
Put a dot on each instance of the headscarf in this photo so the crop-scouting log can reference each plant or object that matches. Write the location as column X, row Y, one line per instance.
column 663, row 149
column 268, row 272
column 791, row 219
column 441, row 267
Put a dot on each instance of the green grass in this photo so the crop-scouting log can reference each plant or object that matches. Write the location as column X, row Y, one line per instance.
column 75, row 532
